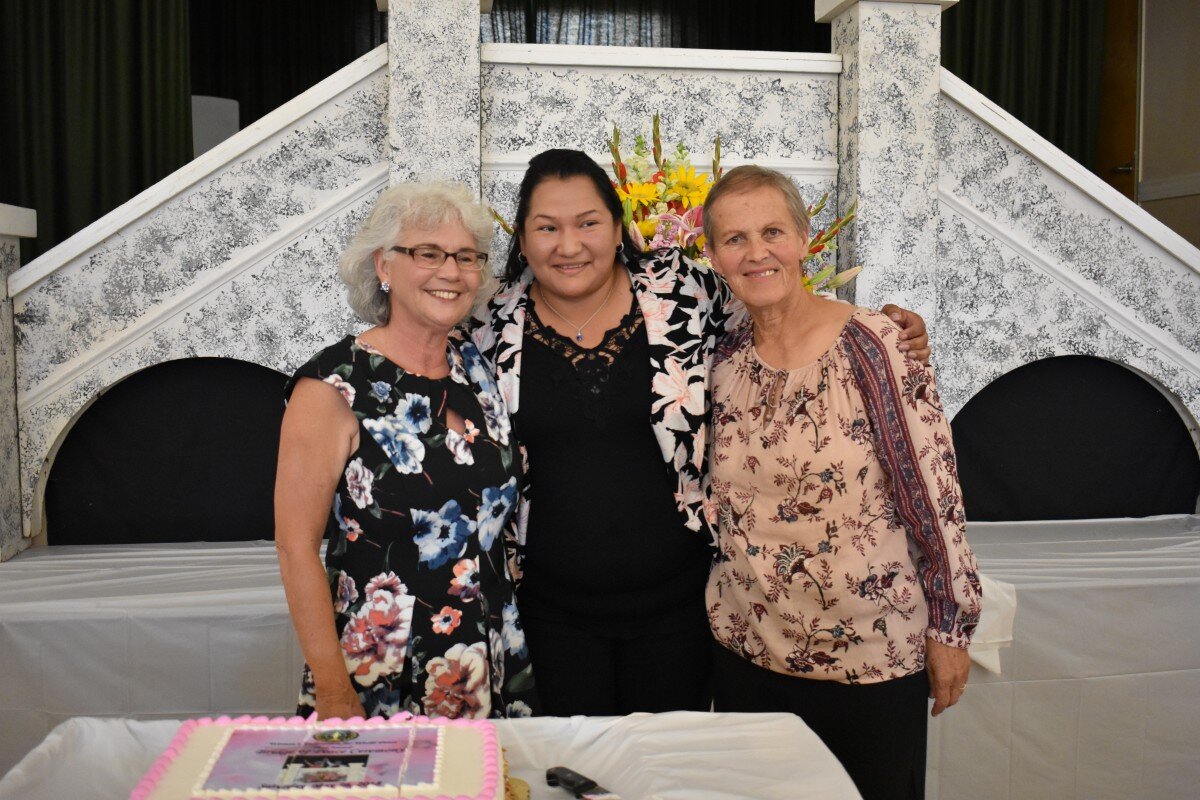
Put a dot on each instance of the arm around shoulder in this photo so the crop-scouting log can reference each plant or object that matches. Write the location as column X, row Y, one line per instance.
column 914, row 338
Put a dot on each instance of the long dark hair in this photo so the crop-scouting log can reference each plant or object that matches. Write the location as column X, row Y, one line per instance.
column 564, row 164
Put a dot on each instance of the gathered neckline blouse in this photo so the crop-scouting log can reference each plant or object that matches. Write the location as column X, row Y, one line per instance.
column 841, row 524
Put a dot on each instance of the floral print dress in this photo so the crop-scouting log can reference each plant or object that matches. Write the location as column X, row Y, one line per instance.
column 842, row 533
column 415, row 553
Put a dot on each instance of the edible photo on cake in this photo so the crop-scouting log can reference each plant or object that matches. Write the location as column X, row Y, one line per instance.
column 305, row 770
column 280, row 759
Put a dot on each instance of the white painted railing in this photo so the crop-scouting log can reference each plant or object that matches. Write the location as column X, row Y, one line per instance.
column 631, row 58
column 195, row 172
column 1084, row 180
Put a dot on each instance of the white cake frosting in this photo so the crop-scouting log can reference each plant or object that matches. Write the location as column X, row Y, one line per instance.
column 405, row 758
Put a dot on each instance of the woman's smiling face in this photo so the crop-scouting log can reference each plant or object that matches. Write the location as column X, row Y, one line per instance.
column 570, row 239
column 436, row 299
column 758, row 247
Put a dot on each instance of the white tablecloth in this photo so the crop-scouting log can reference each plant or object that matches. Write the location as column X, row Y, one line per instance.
column 677, row 756
column 1099, row 695
column 149, row 632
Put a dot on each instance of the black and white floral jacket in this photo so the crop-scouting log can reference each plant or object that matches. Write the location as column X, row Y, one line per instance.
column 686, row 308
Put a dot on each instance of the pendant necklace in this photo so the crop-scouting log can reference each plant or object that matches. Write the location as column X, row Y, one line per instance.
column 578, row 328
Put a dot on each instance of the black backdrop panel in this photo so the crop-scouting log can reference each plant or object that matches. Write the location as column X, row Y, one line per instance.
column 183, row 451
column 1074, row 437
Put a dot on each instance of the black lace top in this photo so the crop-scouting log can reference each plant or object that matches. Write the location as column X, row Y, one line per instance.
column 605, row 538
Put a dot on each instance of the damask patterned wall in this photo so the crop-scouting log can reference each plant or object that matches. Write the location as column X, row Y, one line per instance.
column 780, row 117
column 11, row 540
column 1031, row 266
column 239, row 264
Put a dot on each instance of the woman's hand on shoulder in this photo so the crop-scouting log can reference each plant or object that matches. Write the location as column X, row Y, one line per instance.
column 914, row 339
column 948, row 668
column 342, row 704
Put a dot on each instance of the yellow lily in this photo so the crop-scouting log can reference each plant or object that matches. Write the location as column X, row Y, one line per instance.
column 641, row 194
column 692, row 189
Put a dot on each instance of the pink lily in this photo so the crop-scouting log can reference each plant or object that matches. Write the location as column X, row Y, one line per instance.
column 689, row 227
column 635, row 234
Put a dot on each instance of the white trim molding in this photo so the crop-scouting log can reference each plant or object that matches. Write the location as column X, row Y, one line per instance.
column 17, row 221
column 190, row 174
column 829, row 10
column 1070, row 170
column 485, row 6
column 571, row 55
column 1119, row 316
column 1168, row 188
column 374, row 180
column 793, row 167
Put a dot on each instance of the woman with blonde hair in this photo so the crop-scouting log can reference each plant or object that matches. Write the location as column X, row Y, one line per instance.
column 396, row 447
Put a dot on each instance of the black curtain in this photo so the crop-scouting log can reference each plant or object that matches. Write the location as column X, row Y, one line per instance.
column 782, row 25
column 98, row 93
column 263, row 53
column 97, row 107
column 181, row 452
column 1040, row 61
column 1074, row 437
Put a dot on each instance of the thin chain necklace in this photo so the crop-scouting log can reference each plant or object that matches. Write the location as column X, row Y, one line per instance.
column 578, row 328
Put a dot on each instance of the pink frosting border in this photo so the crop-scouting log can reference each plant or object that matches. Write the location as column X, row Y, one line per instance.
column 491, row 750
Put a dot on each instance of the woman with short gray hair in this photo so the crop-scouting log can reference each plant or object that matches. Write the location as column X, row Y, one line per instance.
column 415, row 205
column 396, row 447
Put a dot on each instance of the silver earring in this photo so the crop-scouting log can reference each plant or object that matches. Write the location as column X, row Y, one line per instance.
column 522, row 259
column 385, row 287
column 620, row 248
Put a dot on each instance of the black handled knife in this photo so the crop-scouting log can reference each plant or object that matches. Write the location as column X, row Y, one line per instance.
column 578, row 785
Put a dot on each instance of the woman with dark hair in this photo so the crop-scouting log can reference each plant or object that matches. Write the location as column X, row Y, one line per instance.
column 602, row 355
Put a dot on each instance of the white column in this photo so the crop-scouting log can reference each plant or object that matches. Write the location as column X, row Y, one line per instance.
column 433, row 91
column 15, row 223
column 887, row 148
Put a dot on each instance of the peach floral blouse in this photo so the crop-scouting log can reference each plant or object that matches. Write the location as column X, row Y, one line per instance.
column 841, row 525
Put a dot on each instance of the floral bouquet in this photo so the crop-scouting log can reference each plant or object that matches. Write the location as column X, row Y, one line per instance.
column 663, row 199
column 663, row 196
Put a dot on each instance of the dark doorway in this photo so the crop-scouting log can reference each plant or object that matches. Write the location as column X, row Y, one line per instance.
column 1116, row 138
column 1074, row 437
column 182, row 451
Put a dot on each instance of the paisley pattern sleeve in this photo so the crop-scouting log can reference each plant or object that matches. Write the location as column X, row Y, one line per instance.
column 913, row 442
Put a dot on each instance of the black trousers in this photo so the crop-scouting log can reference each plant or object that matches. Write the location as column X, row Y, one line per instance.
column 877, row 730
column 615, row 670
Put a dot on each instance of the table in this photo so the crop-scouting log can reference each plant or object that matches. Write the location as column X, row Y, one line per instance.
column 683, row 755
column 149, row 632
column 1099, row 695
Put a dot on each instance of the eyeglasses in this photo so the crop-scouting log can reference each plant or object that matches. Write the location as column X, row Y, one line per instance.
column 433, row 257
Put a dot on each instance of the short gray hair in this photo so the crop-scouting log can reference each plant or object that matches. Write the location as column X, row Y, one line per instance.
column 403, row 206
column 751, row 176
